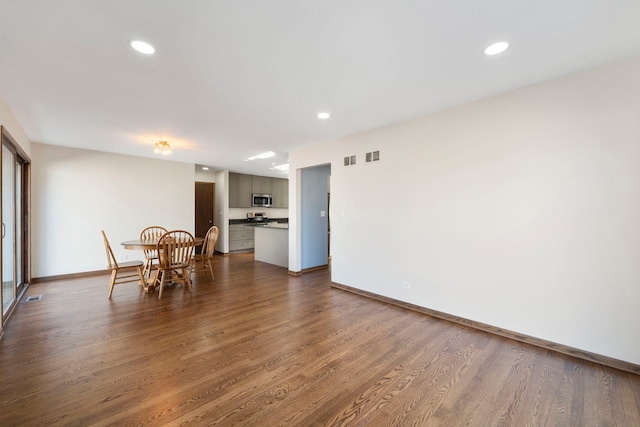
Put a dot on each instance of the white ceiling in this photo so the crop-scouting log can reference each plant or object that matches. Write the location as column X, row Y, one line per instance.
column 231, row 79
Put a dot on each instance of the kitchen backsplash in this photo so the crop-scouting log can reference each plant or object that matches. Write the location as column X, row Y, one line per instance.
column 241, row 213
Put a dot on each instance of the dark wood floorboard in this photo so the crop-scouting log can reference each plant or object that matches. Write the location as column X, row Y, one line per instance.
column 257, row 347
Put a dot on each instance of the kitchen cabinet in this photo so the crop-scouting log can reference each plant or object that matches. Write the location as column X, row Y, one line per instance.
column 241, row 237
column 261, row 184
column 240, row 190
column 280, row 193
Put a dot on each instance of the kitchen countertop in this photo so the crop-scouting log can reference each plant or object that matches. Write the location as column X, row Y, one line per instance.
column 247, row 222
column 281, row 226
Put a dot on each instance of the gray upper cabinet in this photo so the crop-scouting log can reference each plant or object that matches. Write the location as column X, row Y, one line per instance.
column 280, row 193
column 239, row 190
column 242, row 186
column 261, row 184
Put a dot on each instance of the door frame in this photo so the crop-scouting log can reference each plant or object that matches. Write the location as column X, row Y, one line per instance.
column 211, row 219
column 6, row 140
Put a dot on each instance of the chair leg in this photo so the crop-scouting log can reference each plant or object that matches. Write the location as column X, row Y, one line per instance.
column 187, row 279
column 193, row 268
column 141, row 276
column 156, row 280
column 210, row 268
column 162, row 274
column 112, row 282
column 147, row 267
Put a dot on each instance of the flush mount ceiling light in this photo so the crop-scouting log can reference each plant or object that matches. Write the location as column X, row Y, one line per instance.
column 264, row 155
column 142, row 47
column 496, row 48
column 284, row 167
column 163, row 148
column 324, row 115
column 204, row 168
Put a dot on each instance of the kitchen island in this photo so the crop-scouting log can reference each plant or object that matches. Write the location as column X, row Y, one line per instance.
column 272, row 244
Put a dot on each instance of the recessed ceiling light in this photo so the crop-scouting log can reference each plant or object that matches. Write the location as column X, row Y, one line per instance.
column 284, row 167
column 264, row 155
column 142, row 47
column 204, row 168
column 496, row 48
column 324, row 115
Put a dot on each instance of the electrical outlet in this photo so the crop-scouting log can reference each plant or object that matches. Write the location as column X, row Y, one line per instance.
column 406, row 285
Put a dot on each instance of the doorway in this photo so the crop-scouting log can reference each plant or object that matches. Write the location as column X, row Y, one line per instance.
column 205, row 208
column 15, row 220
column 314, row 216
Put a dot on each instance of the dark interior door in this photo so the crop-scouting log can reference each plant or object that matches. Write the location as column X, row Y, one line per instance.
column 204, row 207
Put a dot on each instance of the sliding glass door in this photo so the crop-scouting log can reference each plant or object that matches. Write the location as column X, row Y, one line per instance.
column 14, row 213
column 8, row 240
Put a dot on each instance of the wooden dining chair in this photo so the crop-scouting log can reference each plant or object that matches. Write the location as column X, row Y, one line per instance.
column 151, row 255
column 202, row 261
column 175, row 252
column 123, row 272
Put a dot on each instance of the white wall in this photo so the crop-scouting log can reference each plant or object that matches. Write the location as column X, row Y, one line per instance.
column 520, row 211
column 76, row 193
column 204, row 176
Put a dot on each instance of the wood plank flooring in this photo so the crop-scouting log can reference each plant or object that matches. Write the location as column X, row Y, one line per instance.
column 257, row 347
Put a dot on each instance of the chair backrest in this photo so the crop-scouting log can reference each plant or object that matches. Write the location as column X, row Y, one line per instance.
column 152, row 233
column 111, row 259
column 175, row 248
column 209, row 244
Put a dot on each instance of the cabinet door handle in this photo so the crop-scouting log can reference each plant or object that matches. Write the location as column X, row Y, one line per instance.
column 3, row 227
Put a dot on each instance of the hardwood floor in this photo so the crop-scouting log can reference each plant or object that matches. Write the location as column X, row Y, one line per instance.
column 258, row 347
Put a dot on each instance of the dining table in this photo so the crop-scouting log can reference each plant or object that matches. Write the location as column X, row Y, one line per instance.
column 151, row 244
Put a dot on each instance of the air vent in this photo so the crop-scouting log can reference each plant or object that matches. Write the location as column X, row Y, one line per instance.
column 33, row 298
column 373, row 156
column 350, row 160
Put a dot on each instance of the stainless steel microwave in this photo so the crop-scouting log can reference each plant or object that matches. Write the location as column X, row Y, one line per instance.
column 262, row 200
